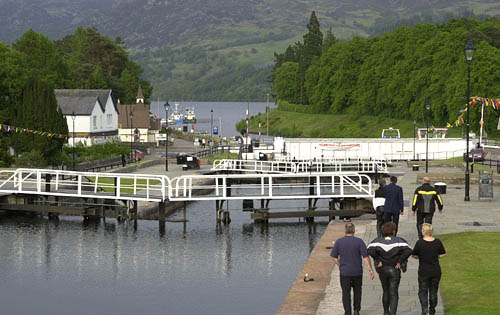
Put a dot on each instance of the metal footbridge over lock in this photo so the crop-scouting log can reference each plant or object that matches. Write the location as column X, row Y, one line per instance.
column 160, row 188
column 302, row 166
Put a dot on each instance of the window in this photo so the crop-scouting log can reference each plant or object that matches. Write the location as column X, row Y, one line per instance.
column 110, row 116
column 94, row 121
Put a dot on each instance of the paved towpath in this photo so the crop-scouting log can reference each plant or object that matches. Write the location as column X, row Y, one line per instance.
column 456, row 213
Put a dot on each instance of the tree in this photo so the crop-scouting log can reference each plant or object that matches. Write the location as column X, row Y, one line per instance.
column 329, row 40
column 313, row 40
column 39, row 112
column 43, row 59
column 286, row 81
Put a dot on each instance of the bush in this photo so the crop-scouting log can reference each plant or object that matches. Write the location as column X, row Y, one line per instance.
column 32, row 159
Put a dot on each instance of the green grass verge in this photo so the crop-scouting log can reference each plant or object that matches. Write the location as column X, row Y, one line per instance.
column 292, row 124
column 126, row 185
column 471, row 281
column 222, row 156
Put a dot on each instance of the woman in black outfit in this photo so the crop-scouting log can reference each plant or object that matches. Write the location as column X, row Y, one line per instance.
column 378, row 205
column 428, row 251
column 389, row 254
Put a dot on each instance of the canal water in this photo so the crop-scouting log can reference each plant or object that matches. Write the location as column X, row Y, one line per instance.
column 69, row 266
column 229, row 113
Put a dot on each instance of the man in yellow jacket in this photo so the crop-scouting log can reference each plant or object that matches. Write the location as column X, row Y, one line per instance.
column 426, row 196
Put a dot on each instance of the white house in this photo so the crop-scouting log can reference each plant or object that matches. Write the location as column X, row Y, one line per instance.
column 93, row 113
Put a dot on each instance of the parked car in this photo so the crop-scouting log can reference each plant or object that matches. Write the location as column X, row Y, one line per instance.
column 476, row 155
column 136, row 154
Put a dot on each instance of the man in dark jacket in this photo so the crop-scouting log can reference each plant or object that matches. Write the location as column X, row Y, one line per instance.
column 424, row 201
column 393, row 205
column 389, row 253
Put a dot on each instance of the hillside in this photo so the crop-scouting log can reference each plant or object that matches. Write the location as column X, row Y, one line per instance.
column 219, row 49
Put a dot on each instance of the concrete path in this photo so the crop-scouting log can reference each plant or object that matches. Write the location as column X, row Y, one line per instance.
column 456, row 216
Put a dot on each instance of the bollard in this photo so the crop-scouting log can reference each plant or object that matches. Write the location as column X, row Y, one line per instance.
column 48, row 177
column 472, row 167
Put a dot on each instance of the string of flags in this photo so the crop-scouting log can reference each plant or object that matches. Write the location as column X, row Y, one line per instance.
column 7, row 128
column 493, row 102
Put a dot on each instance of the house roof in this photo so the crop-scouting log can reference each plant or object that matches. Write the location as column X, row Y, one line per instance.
column 82, row 102
column 140, row 116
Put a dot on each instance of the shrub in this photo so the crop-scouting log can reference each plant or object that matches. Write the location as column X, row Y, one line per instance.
column 32, row 159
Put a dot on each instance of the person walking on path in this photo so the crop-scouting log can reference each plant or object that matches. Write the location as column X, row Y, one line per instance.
column 424, row 200
column 428, row 250
column 378, row 205
column 389, row 254
column 393, row 205
column 351, row 249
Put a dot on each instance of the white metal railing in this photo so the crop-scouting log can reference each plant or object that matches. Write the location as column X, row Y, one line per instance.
column 158, row 188
column 85, row 184
column 330, row 160
column 283, row 167
column 271, row 186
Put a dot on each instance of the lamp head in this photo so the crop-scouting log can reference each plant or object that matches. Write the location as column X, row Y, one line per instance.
column 428, row 105
column 166, row 106
column 469, row 51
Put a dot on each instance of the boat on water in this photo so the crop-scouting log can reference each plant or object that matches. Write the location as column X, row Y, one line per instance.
column 177, row 117
column 190, row 116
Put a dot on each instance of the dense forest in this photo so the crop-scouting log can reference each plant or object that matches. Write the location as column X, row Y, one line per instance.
column 33, row 66
column 395, row 74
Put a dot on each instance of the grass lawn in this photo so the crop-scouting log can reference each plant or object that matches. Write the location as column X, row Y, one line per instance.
column 221, row 156
column 471, row 278
column 292, row 124
column 127, row 185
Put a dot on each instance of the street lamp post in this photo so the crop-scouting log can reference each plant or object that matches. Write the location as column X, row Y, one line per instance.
column 131, row 133
column 73, row 117
column 167, row 108
column 469, row 50
column 267, row 115
column 428, row 109
column 211, row 123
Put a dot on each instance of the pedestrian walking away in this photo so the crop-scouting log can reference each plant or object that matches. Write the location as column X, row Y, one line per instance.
column 352, row 250
column 378, row 205
column 428, row 250
column 390, row 254
column 393, row 206
column 424, row 200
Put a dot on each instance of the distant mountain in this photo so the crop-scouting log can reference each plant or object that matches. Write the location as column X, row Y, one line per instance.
column 186, row 45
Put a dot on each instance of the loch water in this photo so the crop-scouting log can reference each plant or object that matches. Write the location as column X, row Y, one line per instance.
column 74, row 267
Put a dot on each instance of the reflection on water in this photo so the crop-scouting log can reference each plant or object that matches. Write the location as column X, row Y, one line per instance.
column 58, row 267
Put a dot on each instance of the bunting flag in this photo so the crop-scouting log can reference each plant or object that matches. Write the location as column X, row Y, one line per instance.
column 494, row 103
column 7, row 128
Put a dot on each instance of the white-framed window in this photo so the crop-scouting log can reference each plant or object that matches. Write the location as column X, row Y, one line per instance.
column 109, row 118
column 94, row 121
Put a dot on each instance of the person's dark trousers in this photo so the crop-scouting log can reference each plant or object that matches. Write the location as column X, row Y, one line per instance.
column 346, row 283
column 427, row 293
column 421, row 219
column 394, row 217
column 390, row 278
column 380, row 221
